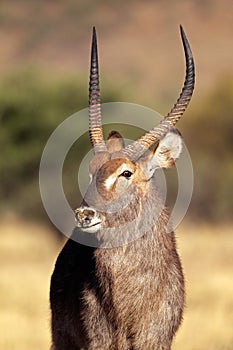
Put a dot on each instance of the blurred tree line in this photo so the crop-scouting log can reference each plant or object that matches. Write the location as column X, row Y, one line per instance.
column 209, row 137
column 33, row 105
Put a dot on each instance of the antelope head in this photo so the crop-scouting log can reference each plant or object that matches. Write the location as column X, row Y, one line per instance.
column 121, row 176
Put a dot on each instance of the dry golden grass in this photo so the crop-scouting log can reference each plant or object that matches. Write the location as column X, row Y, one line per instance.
column 207, row 254
column 27, row 255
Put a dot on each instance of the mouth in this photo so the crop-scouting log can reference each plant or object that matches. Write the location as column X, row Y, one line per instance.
column 90, row 227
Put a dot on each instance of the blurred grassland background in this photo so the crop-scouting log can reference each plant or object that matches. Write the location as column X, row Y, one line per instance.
column 44, row 63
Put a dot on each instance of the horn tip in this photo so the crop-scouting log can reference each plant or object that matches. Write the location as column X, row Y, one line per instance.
column 186, row 45
column 93, row 34
column 182, row 33
column 94, row 46
column 181, row 28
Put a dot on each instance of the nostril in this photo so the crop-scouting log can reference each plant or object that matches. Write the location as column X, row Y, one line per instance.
column 87, row 220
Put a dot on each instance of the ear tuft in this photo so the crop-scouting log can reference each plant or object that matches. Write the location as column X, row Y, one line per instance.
column 115, row 142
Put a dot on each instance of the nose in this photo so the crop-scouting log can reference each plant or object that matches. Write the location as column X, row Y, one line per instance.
column 88, row 219
column 85, row 216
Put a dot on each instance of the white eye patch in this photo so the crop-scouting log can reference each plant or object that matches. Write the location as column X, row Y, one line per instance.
column 112, row 178
column 110, row 181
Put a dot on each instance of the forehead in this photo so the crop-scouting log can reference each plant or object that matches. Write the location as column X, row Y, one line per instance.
column 97, row 161
column 104, row 166
column 115, row 165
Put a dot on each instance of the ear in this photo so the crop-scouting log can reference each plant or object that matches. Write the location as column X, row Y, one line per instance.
column 165, row 155
column 168, row 150
column 115, row 142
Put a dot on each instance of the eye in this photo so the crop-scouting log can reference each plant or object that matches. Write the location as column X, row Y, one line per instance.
column 126, row 174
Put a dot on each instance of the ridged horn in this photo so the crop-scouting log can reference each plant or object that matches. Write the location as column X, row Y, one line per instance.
column 136, row 149
column 95, row 120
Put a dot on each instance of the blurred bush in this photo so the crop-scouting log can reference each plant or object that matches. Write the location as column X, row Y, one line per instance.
column 33, row 105
column 208, row 133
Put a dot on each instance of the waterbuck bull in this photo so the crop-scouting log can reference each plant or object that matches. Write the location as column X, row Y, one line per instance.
column 126, row 291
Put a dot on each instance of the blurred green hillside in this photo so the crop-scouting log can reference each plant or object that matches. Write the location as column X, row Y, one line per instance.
column 32, row 106
column 209, row 137
column 44, row 79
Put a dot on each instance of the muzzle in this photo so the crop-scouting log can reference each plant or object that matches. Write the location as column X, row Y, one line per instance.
column 87, row 219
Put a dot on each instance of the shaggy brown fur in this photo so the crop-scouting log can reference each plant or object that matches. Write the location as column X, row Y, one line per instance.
column 129, row 297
